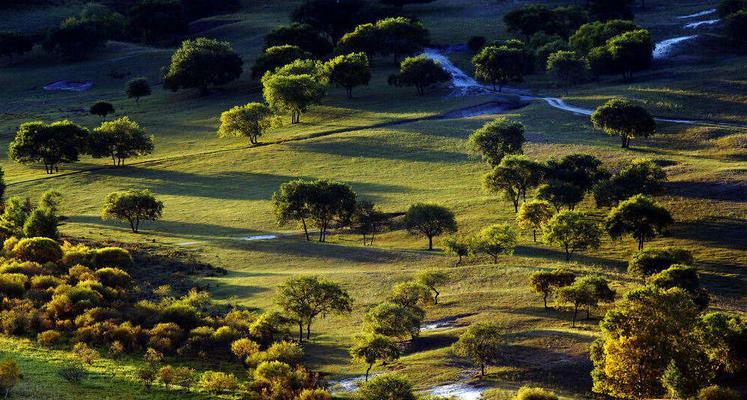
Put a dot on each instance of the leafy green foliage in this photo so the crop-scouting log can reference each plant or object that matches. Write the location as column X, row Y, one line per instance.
column 482, row 343
column 651, row 261
column 386, row 387
column 499, row 65
column 50, row 144
column 137, row 88
column 639, row 176
column 640, row 217
column 304, row 298
column 120, row 139
column 495, row 240
column 349, row 71
column 622, row 118
column 305, row 36
column 567, row 68
column 496, row 139
column 514, row 176
column 250, row 121
column 421, row 72
column 573, row 231
column 545, row 282
column 393, row 320
column 429, row 220
column 374, row 348
column 132, row 206
column 534, row 215
column 202, row 63
column 277, row 56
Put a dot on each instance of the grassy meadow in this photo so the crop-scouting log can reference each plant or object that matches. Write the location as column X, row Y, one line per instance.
column 218, row 191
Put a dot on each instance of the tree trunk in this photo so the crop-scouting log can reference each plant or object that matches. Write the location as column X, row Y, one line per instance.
column 575, row 313
column 482, row 369
column 430, row 242
column 544, row 298
column 435, row 298
column 495, row 258
column 534, row 235
column 305, row 230
column 350, row 92
column 567, row 253
column 300, row 332
column 308, row 330
column 640, row 244
column 516, row 204
column 132, row 225
column 368, row 370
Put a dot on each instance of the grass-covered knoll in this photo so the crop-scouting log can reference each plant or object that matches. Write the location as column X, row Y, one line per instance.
column 217, row 191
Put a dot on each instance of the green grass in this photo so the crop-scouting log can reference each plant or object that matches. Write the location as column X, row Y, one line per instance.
column 216, row 191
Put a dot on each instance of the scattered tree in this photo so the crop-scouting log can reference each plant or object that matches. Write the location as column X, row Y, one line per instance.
column 411, row 294
column 250, row 121
column 349, row 71
column 561, row 194
column 400, row 35
column 386, row 387
column 496, row 139
column 651, row 261
column 640, row 217
column 154, row 21
column 368, row 219
column 499, row 66
column 365, row 38
column 534, row 393
column 494, row 241
column 102, row 109
column 202, row 63
column 482, row 343
column 293, row 93
column 432, row 278
column 534, row 215
column 623, row 118
column 291, row 202
column 637, row 347
column 421, row 72
column 430, row 220
column 514, row 176
column 631, row 51
column 137, row 88
column 120, row 139
column 573, row 231
column 545, row 282
column 596, row 34
column 277, row 56
column 456, row 246
column 303, row 298
column 393, row 320
column 567, row 68
column 10, row 375
column 132, row 206
column 374, row 348
column 304, row 36
column 639, row 176
column 50, row 144
column 74, row 39
column 685, row 278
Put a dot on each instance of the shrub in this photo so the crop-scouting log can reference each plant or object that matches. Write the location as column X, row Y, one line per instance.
column 10, row 375
column 714, row 392
column 181, row 314
column 651, row 261
column 244, row 348
column 113, row 277
column 80, row 273
column 15, row 321
column 13, row 285
column 8, row 245
column 73, row 373
column 116, row 349
column 218, row 382
column 314, row 394
column 77, row 255
column 84, row 353
column 535, row 393
column 286, row 352
column 27, row 268
column 38, row 249
column 164, row 337
column 49, row 338
column 113, row 257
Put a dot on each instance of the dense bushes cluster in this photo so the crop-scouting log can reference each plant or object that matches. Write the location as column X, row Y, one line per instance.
column 72, row 294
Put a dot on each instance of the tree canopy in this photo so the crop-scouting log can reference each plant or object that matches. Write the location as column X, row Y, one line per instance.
column 514, row 176
column 494, row 241
column 573, row 231
column 120, row 139
column 202, row 63
column 640, row 217
column 496, row 139
column 275, row 57
column 482, row 343
column 250, row 120
column 303, row 298
column 430, row 220
column 137, row 88
column 499, row 65
column 349, row 71
column 133, row 206
column 304, row 36
column 421, row 72
column 625, row 119
column 50, row 144
column 639, row 176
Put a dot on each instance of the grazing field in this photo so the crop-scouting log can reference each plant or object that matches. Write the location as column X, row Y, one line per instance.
column 217, row 192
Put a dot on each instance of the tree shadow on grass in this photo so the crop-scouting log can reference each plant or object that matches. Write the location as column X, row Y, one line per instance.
column 557, row 255
column 725, row 232
column 721, row 191
column 172, row 228
column 430, row 342
column 372, row 147
column 322, row 251
column 226, row 185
